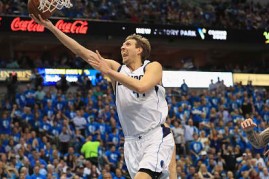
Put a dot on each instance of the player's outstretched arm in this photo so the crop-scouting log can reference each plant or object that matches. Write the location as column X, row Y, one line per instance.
column 257, row 140
column 71, row 44
column 152, row 76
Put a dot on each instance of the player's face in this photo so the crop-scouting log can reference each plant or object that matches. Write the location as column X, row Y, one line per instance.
column 129, row 51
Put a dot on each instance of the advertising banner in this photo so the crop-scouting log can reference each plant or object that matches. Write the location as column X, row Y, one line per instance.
column 51, row 75
column 195, row 79
column 86, row 27
column 257, row 79
column 23, row 75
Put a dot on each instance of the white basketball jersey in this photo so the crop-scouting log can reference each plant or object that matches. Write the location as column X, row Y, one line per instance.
column 139, row 113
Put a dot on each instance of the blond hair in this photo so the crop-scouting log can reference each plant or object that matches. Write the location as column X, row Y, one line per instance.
column 143, row 43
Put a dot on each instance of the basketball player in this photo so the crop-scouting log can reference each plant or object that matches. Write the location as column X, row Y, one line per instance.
column 257, row 140
column 140, row 101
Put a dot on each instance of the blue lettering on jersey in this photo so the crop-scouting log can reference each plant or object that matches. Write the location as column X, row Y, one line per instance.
column 138, row 78
column 137, row 94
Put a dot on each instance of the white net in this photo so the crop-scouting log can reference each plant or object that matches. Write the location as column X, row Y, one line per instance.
column 51, row 5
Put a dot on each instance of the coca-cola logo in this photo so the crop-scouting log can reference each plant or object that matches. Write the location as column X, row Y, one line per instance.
column 76, row 27
column 26, row 25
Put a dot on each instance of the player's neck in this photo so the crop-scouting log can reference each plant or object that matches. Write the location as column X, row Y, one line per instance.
column 135, row 64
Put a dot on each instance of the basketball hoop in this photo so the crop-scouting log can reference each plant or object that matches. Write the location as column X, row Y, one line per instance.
column 51, row 5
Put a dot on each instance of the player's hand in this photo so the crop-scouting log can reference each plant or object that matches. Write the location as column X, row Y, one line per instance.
column 46, row 23
column 99, row 63
column 248, row 124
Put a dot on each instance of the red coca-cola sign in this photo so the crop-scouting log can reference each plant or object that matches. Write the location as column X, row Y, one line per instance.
column 76, row 27
column 26, row 25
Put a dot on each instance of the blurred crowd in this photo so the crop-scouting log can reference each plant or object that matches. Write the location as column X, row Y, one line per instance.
column 55, row 132
column 45, row 60
column 238, row 14
column 24, row 61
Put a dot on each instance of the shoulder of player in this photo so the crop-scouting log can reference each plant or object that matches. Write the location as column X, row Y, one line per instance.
column 153, row 65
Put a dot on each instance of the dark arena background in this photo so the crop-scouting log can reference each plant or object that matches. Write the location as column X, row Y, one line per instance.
column 215, row 58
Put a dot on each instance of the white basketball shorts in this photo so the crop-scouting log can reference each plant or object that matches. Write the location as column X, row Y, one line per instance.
column 149, row 151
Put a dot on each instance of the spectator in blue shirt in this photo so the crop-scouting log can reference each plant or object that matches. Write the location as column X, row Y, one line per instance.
column 112, row 156
column 192, row 171
column 180, row 114
column 5, row 125
column 92, row 129
column 55, row 129
column 118, row 174
column 70, row 112
column 49, row 110
column 29, row 94
column 16, row 113
column 45, row 125
column 196, row 113
column 195, row 148
column 27, row 116
column 114, row 138
column 36, row 174
column 60, row 103
column 23, row 173
column 184, row 88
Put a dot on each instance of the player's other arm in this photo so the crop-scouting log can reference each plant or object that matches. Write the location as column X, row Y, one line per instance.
column 71, row 44
column 257, row 140
column 152, row 77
